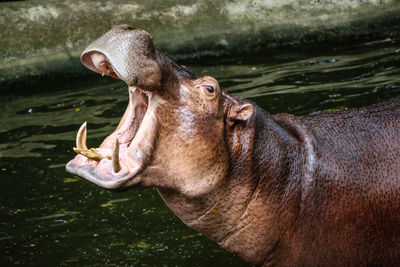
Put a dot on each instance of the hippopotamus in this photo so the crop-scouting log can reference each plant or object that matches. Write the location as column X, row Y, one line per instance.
column 314, row 190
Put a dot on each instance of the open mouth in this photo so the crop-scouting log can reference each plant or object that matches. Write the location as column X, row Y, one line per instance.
column 127, row 151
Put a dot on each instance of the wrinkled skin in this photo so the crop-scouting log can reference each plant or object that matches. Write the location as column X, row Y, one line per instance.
column 276, row 190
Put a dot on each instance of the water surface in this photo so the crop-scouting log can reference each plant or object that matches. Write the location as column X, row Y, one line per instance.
column 51, row 218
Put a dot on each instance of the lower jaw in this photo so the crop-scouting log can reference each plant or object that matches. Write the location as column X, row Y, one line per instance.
column 120, row 167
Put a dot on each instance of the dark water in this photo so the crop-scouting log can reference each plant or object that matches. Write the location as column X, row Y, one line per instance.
column 51, row 218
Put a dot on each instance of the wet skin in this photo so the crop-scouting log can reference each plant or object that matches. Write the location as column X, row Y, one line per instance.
column 274, row 189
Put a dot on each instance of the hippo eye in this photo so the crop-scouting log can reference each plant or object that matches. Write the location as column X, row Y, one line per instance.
column 210, row 89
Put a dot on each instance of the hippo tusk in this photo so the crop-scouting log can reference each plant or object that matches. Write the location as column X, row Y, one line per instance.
column 115, row 156
column 81, row 147
column 81, row 137
column 92, row 155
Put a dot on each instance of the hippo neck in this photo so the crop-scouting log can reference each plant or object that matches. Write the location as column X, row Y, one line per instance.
column 253, row 213
column 274, row 178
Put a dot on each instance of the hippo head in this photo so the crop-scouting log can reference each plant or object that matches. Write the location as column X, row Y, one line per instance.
column 173, row 133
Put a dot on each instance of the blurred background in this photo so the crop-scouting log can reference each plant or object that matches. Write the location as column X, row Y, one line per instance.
column 299, row 57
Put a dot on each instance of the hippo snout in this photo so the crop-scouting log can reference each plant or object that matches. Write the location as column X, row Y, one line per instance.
column 127, row 54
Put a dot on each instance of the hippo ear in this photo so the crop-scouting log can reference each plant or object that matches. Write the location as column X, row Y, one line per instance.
column 240, row 112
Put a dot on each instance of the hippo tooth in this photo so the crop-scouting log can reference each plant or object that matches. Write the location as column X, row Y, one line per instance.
column 108, row 69
column 104, row 155
column 81, row 137
column 132, row 89
column 115, row 156
column 92, row 153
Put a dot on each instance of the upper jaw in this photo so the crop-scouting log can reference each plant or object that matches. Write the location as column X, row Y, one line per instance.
column 127, row 54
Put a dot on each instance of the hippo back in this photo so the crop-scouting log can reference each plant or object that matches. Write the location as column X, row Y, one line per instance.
column 350, row 210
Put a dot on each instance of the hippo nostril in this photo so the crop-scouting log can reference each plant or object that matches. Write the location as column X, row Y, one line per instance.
column 127, row 27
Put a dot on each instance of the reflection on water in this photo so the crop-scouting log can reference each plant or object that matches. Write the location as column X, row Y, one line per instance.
column 49, row 217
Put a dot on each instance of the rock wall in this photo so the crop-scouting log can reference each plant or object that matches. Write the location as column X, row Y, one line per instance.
column 45, row 38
